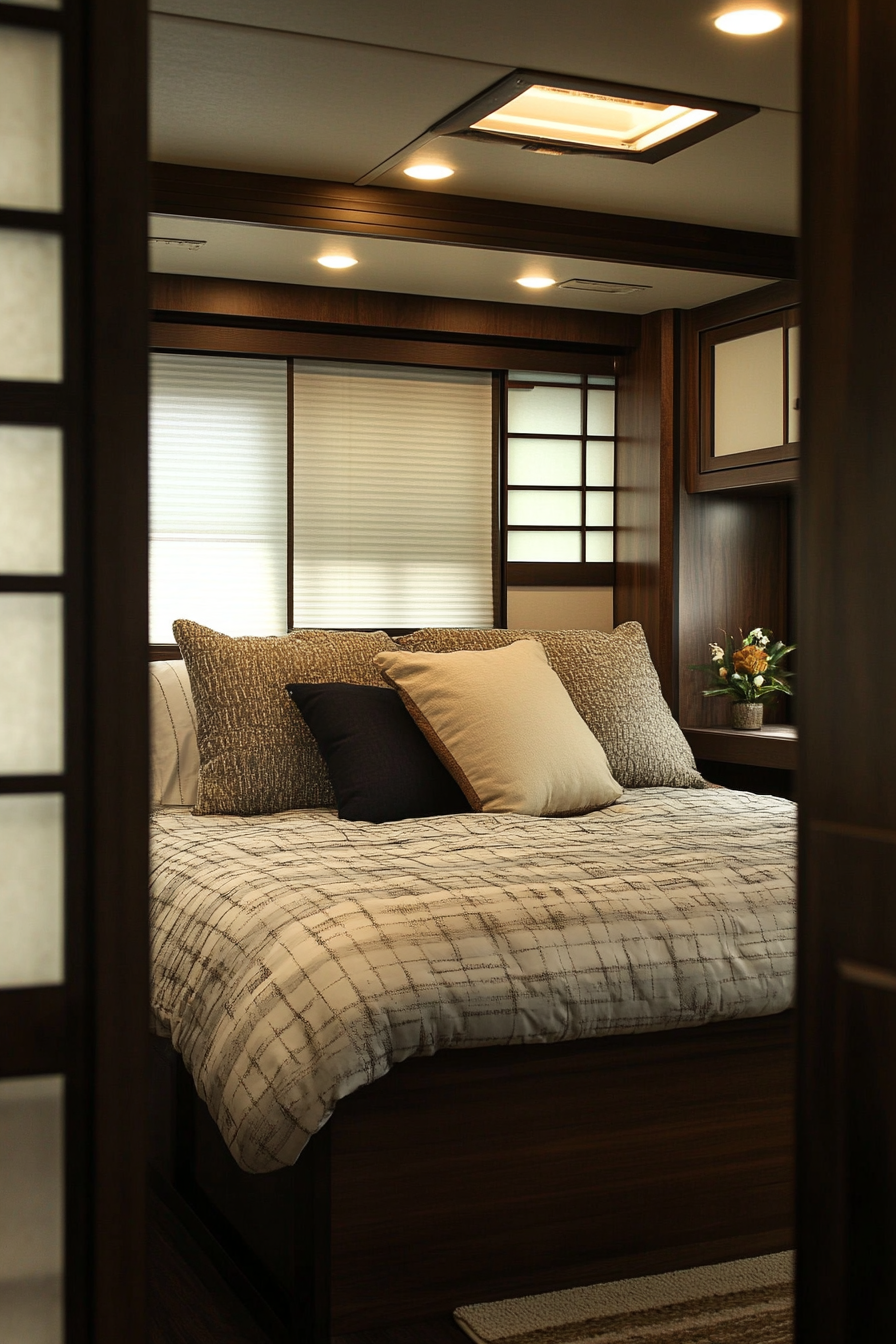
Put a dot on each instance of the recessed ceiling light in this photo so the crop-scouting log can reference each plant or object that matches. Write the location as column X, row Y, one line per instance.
column 429, row 172
column 749, row 22
column 591, row 119
column 536, row 281
column 337, row 262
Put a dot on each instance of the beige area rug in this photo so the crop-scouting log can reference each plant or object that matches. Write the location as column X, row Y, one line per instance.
column 740, row 1302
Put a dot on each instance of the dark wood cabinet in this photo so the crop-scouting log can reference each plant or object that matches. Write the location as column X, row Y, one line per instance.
column 741, row 391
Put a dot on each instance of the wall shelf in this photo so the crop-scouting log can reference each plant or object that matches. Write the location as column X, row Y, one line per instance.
column 773, row 746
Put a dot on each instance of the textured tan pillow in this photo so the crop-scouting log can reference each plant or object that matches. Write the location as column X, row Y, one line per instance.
column 613, row 684
column 502, row 723
column 256, row 753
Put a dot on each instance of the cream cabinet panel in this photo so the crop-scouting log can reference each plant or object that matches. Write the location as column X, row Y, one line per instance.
column 748, row 393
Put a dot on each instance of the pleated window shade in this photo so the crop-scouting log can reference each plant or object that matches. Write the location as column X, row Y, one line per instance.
column 392, row 496
column 218, row 473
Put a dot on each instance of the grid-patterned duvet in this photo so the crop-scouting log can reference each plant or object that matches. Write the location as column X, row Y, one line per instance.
column 297, row 957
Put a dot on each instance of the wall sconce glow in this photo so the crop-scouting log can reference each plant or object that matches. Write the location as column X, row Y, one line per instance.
column 429, row 172
column 536, row 281
column 337, row 262
column 749, row 22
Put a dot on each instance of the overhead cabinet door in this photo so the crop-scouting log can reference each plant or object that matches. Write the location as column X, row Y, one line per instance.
column 745, row 423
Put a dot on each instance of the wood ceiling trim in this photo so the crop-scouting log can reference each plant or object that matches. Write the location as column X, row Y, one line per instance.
column 466, row 221
column 313, row 306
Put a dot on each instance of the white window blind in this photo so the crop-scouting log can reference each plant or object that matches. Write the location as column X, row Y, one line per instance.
column 218, row 470
column 392, row 495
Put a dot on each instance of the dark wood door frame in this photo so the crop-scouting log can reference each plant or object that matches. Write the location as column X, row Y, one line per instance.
column 465, row 221
column 846, row 1282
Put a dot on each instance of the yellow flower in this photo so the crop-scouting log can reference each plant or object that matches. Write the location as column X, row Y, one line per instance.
column 723, row 671
column 750, row 660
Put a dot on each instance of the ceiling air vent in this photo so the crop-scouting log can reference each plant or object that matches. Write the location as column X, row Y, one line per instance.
column 603, row 286
column 191, row 244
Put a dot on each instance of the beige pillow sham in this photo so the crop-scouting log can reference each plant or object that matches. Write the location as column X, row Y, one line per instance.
column 613, row 684
column 504, row 726
column 256, row 753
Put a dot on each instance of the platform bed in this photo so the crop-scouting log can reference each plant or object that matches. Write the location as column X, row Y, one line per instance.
column 494, row 1172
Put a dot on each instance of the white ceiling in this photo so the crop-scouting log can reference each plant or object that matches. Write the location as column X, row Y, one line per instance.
column 332, row 88
column 240, row 251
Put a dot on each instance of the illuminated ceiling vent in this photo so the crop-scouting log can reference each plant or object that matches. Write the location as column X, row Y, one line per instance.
column 558, row 115
column 602, row 286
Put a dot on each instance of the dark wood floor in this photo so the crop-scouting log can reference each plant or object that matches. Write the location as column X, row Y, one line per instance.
column 191, row 1304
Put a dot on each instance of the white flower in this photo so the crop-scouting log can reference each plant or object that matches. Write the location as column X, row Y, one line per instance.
column 764, row 640
column 736, row 676
column 757, row 681
column 755, row 634
column 718, row 653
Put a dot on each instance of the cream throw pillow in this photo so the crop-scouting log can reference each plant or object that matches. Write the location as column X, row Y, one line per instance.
column 612, row 683
column 173, row 750
column 504, row 726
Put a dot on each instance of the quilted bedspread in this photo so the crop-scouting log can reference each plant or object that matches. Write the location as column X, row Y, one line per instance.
column 297, row 957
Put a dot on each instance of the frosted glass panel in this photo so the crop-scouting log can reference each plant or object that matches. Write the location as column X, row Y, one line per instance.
column 545, row 410
column 29, row 120
column 31, row 852
column 217, row 462
column 793, row 384
column 600, row 463
column 748, row 393
column 602, row 410
column 546, row 508
column 30, row 500
column 599, row 510
column 599, row 547
column 30, row 306
column 544, row 462
column 30, row 683
column 31, row 1210
column 544, row 546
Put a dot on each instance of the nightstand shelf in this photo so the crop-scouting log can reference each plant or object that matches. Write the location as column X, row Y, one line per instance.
column 773, row 747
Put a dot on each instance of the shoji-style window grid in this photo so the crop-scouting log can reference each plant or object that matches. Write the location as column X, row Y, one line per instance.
column 39, row 889
column 559, row 468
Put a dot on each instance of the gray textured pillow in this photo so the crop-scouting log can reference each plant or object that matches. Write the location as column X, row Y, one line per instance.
column 256, row 753
column 613, row 684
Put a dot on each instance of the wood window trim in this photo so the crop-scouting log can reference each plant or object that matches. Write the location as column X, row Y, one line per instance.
column 235, row 339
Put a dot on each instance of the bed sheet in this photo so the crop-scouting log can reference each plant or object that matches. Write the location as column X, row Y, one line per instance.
column 298, row 957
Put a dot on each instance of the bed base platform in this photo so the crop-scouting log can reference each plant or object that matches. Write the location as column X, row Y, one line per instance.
column 488, row 1173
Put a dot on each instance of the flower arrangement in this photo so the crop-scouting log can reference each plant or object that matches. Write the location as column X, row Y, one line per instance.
column 750, row 672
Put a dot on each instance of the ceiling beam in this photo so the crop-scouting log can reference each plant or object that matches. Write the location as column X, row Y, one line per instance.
column 465, row 221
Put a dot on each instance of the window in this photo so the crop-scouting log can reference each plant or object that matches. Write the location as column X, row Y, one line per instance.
column 360, row 495
column 300, row 492
column 561, row 432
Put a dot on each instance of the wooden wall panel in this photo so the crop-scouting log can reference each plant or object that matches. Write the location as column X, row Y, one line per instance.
column 645, row 494
column 385, row 314
column 733, row 575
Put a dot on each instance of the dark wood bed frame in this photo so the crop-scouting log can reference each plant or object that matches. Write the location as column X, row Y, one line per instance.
column 488, row 1173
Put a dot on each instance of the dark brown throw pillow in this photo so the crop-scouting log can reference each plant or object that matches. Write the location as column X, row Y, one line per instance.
column 380, row 765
